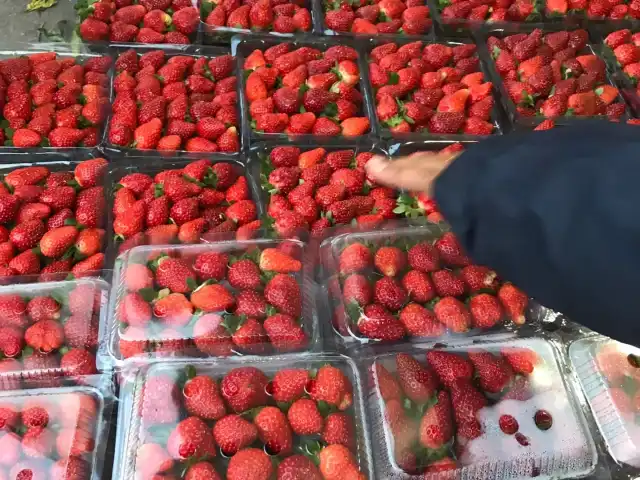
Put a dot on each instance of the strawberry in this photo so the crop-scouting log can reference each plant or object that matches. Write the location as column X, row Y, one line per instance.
column 494, row 372
column 298, row 466
column 285, row 333
column 233, row 433
column 522, row 360
column 244, row 388
column 420, row 322
column 304, row 417
column 55, row 242
column 354, row 258
column 289, row 385
column 283, row 292
column 450, row 250
column 389, row 293
column 417, row 381
column 202, row 398
column 212, row 298
column 436, row 425
column 191, row 438
column 485, row 310
column 274, row 260
column 175, row 275
column 466, row 401
column 453, row 314
column 514, row 301
column 332, row 386
column 250, row 463
column 338, row 463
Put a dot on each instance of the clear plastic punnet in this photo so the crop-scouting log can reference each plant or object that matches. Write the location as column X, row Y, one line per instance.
column 227, row 298
column 491, row 409
column 416, row 283
column 251, row 419
column 56, row 433
column 59, row 98
column 53, row 215
column 609, row 374
column 50, row 331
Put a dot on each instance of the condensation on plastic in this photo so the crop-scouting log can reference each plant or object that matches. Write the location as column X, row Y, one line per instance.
column 196, row 37
column 152, row 165
column 576, row 457
column 81, row 53
column 109, row 352
column 620, row 432
column 346, row 334
column 172, row 51
column 507, row 104
column 243, row 45
column 222, row 35
column 57, row 161
column 14, row 375
column 498, row 119
column 86, row 407
column 131, row 437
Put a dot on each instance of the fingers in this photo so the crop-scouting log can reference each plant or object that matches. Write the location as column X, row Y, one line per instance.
column 415, row 172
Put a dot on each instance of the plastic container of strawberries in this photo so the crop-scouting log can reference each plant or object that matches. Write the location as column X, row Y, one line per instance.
column 222, row 35
column 498, row 118
column 322, row 29
column 152, row 166
column 550, row 437
column 51, row 332
column 628, row 89
column 242, row 46
column 55, row 162
column 80, row 54
column 509, row 107
column 194, row 336
column 608, row 374
column 61, row 431
column 79, row 5
column 170, row 51
column 386, row 321
column 148, row 418
column 462, row 27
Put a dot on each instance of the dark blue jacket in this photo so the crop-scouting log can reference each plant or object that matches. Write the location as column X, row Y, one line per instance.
column 558, row 213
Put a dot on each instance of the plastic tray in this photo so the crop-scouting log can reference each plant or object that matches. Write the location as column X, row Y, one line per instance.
column 498, row 119
column 196, row 37
column 151, row 165
column 55, row 418
column 181, row 335
column 133, row 434
column 172, row 51
column 590, row 358
column 222, row 35
column 55, row 162
column 81, row 54
column 322, row 29
column 243, row 45
column 74, row 301
column 350, row 337
column 508, row 105
column 572, row 456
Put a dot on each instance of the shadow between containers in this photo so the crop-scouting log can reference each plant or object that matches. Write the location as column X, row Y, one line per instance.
column 243, row 45
column 172, row 51
column 498, row 117
column 519, row 121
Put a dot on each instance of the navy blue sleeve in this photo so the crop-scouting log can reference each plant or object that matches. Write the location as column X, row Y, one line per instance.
column 558, row 213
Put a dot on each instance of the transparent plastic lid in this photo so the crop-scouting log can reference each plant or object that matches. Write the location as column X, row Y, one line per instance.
column 230, row 418
column 489, row 410
column 609, row 374
column 219, row 299
column 55, row 433
column 53, row 216
column 50, row 331
column 415, row 283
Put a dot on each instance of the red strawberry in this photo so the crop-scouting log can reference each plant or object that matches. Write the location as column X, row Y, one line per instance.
column 202, row 398
column 244, row 388
column 466, row 401
column 418, row 382
column 354, row 258
column 55, row 242
column 247, row 462
column 174, row 274
column 514, row 302
column 285, row 333
column 233, row 433
column 389, row 293
column 304, row 417
column 420, row 322
column 485, row 310
column 453, row 314
column 298, row 466
column 274, row 430
column 283, row 292
column 494, row 373
column 522, row 360
column 436, row 425
column 191, row 438
column 332, row 386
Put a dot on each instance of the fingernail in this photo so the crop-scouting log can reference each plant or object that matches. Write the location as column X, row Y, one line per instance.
column 377, row 164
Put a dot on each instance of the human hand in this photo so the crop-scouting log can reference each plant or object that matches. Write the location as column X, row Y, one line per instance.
column 415, row 172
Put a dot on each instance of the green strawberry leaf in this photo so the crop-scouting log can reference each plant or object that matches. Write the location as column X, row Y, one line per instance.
column 190, row 371
column 148, row 294
column 353, row 311
column 192, row 284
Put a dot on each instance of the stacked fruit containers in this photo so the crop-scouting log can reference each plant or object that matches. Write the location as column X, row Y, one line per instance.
column 187, row 228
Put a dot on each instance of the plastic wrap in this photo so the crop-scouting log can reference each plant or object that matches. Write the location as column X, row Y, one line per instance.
column 491, row 409
column 152, row 421
column 227, row 298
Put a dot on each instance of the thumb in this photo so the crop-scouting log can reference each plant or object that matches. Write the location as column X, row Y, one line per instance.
column 404, row 173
